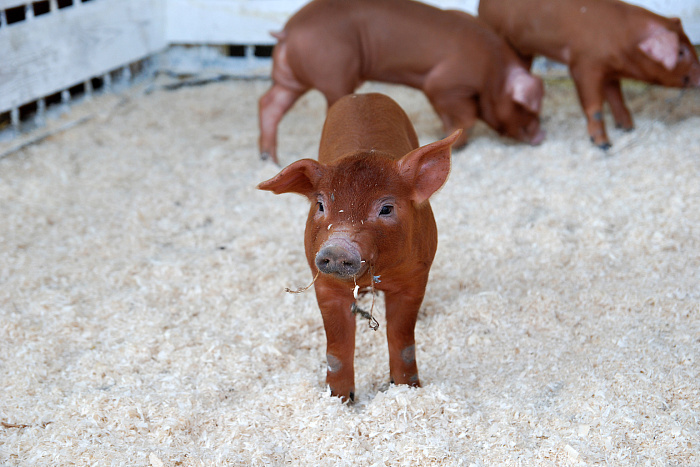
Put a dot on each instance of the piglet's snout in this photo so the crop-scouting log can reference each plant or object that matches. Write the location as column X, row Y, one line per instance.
column 340, row 259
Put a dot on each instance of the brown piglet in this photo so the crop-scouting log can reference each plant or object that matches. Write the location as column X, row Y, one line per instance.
column 601, row 41
column 466, row 70
column 370, row 226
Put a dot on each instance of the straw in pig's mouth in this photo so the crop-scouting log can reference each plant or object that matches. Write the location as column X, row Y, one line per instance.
column 303, row 289
column 355, row 309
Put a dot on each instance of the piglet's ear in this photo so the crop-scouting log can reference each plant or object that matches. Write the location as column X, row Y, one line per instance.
column 299, row 177
column 662, row 47
column 525, row 89
column 427, row 167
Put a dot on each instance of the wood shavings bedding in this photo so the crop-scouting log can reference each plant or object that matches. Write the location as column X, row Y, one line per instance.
column 143, row 318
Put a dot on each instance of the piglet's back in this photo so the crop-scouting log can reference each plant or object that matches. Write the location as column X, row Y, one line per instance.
column 365, row 122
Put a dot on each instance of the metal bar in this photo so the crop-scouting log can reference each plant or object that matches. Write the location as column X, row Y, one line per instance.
column 40, row 117
column 14, row 118
column 88, row 88
column 107, row 81
column 126, row 74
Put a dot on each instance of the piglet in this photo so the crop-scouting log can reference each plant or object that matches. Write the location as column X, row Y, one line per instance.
column 465, row 69
column 601, row 41
column 370, row 225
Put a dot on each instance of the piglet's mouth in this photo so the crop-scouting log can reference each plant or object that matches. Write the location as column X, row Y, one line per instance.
column 340, row 258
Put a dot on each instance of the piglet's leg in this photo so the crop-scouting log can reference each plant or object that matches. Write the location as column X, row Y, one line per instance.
column 271, row 108
column 589, row 84
column 339, row 323
column 401, row 313
column 613, row 94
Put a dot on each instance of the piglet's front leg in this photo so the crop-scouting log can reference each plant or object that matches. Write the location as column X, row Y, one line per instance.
column 335, row 303
column 401, row 314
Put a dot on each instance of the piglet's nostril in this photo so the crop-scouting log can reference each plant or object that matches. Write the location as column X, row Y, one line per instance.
column 338, row 261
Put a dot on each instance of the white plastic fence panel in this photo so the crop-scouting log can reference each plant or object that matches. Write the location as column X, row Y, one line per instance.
column 249, row 21
column 5, row 4
column 227, row 21
column 244, row 21
column 52, row 52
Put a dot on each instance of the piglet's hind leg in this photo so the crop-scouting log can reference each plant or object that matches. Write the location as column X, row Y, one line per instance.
column 271, row 108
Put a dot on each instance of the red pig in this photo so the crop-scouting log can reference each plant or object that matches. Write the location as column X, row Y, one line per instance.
column 464, row 68
column 601, row 41
column 370, row 225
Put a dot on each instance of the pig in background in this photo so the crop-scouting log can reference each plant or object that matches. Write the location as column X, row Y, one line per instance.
column 601, row 41
column 370, row 225
column 465, row 69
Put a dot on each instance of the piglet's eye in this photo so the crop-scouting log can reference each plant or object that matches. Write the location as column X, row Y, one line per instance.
column 320, row 206
column 386, row 210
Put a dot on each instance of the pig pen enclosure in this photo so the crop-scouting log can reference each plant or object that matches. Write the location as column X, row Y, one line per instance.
column 143, row 317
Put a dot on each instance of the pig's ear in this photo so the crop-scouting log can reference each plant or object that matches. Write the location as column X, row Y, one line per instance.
column 525, row 89
column 299, row 177
column 662, row 47
column 427, row 167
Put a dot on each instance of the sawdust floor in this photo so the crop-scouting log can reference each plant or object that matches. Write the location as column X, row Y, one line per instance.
column 143, row 318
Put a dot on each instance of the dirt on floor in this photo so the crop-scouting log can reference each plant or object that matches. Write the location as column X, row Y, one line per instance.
column 143, row 318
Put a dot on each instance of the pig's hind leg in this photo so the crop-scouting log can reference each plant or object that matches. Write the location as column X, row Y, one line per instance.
column 339, row 86
column 271, row 108
column 621, row 114
column 275, row 103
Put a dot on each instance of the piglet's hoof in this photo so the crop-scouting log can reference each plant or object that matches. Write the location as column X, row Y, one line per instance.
column 265, row 156
column 625, row 128
column 605, row 145
column 349, row 398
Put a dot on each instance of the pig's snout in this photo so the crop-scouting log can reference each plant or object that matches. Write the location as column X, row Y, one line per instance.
column 532, row 133
column 339, row 259
column 538, row 138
